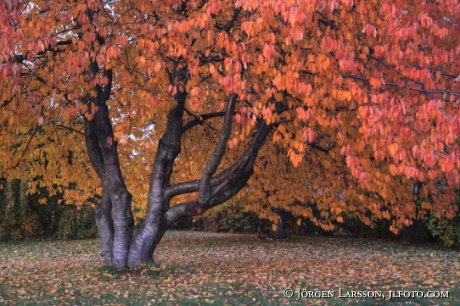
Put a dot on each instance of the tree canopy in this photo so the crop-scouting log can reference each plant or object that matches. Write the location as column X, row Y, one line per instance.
column 334, row 105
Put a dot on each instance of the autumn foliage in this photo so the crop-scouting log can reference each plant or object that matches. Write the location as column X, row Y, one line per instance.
column 340, row 106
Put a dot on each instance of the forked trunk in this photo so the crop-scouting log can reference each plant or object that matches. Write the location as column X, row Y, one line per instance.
column 114, row 219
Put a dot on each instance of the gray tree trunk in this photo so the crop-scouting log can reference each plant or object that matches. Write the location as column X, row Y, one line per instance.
column 120, row 247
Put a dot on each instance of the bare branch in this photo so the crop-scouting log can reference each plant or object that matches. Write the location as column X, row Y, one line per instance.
column 60, row 126
column 199, row 119
column 426, row 91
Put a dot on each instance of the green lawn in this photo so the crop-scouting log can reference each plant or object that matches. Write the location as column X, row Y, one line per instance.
column 196, row 268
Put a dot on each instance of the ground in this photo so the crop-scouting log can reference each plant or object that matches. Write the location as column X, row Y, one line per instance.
column 197, row 268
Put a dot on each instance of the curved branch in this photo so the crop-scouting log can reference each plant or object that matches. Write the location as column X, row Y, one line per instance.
column 193, row 208
column 225, row 177
column 211, row 167
column 199, row 119
column 259, row 136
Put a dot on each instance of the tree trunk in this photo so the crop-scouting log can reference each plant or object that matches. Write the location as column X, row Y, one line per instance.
column 104, row 223
column 154, row 225
column 113, row 215
column 280, row 231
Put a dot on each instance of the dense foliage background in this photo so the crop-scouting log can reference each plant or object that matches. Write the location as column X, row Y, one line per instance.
column 23, row 217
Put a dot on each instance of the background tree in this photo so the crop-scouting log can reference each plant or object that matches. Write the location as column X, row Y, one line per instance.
column 364, row 92
column 23, row 215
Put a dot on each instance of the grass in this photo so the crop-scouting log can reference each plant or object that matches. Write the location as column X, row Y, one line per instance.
column 196, row 268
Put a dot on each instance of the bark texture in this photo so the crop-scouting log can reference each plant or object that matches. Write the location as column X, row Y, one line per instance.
column 113, row 215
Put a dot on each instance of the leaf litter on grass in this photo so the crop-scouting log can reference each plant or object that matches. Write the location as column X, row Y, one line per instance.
column 198, row 268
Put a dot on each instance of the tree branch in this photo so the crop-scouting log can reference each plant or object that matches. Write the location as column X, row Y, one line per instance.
column 27, row 145
column 199, row 119
column 228, row 26
column 93, row 148
column 214, row 161
column 225, row 177
column 60, row 126
column 6, row 102
column 210, row 59
column 107, row 89
column 194, row 209
column 427, row 91
column 20, row 58
column 319, row 148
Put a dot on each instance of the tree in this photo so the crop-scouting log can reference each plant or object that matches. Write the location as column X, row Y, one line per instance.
column 364, row 92
column 22, row 216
